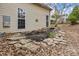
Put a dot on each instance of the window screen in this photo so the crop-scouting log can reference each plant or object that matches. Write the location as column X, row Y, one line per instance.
column 6, row 21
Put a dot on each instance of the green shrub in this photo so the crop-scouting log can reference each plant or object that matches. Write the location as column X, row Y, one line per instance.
column 73, row 19
column 74, row 15
column 51, row 34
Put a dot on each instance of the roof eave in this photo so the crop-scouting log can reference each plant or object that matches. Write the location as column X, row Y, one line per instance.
column 43, row 6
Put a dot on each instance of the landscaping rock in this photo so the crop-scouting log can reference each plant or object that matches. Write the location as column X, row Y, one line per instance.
column 24, row 41
column 43, row 44
column 34, row 43
column 55, row 42
column 59, row 39
column 31, row 46
column 16, row 35
column 18, row 45
column 15, row 38
column 12, row 42
column 49, row 41
column 62, row 32
column 37, row 43
column 63, row 43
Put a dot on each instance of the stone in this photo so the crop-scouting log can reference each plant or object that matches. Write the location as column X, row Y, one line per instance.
column 24, row 41
column 18, row 45
column 43, row 44
column 12, row 42
column 59, row 39
column 37, row 43
column 16, row 35
column 15, row 38
column 56, row 37
column 62, row 42
column 31, row 46
column 55, row 42
column 62, row 32
column 49, row 41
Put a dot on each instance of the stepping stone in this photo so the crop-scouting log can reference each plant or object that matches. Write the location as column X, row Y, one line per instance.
column 49, row 41
column 31, row 46
column 24, row 41
column 18, row 45
column 12, row 42
column 43, row 44
column 16, row 38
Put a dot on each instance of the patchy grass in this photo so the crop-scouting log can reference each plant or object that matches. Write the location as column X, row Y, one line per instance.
column 51, row 34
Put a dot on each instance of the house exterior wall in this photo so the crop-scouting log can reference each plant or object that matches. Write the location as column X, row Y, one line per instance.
column 32, row 12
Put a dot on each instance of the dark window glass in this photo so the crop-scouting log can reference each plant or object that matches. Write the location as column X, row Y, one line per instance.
column 47, row 21
column 21, row 23
column 21, row 18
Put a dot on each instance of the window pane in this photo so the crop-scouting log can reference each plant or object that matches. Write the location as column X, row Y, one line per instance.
column 6, row 21
column 21, row 23
column 21, row 18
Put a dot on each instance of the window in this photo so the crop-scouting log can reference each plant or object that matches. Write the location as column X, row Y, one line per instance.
column 21, row 23
column 47, row 21
column 6, row 21
column 51, row 21
column 21, row 18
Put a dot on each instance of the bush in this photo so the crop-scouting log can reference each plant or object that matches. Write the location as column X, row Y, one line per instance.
column 73, row 19
column 74, row 16
column 51, row 34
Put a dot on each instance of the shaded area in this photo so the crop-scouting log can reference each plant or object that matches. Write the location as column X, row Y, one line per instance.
column 40, row 35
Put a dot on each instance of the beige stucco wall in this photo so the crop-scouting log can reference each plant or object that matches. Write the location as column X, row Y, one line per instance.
column 33, row 12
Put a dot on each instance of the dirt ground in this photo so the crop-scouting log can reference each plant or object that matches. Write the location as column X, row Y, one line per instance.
column 72, row 33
